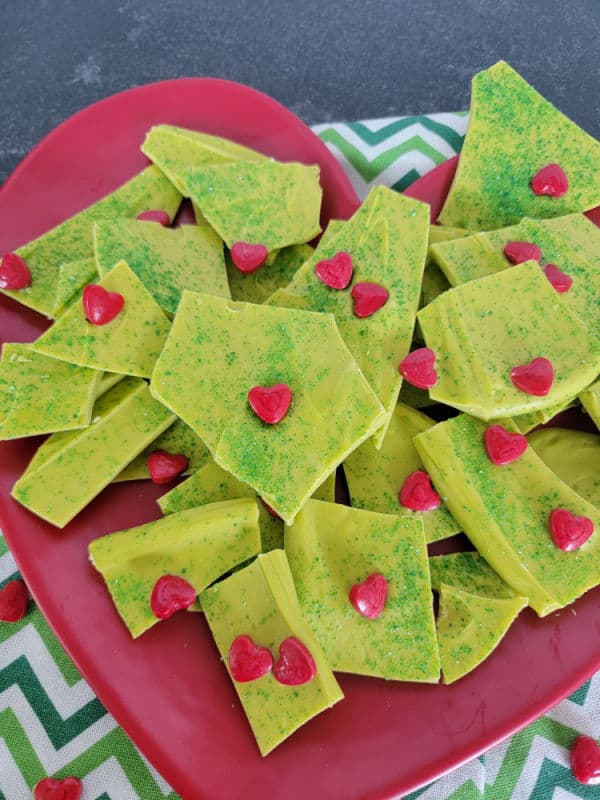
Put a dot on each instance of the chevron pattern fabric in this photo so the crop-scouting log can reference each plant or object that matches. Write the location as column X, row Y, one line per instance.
column 52, row 724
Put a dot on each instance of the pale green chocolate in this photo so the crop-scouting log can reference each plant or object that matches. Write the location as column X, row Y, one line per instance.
column 332, row 547
column 527, row 422
column 590, row 400
column 42, row 395
column 470, row 627
column 179, row 439
column 199, row 545
column 264, row 202
column 375, row 477
column 218, row 350
column 129, row 344
column 175, row 150
column 74, row 466
column 513, row 132
column 166, row 260
column 73, row 276
column 387, row 240
column 468, row 572
column 483, row 329
column 255, row 287
column 574, row 456
column 259, row 601
column 72, row 240
column 106, row 382
column 504, row 512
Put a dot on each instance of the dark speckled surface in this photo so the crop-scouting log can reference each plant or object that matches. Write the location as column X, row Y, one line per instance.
column 325, row 60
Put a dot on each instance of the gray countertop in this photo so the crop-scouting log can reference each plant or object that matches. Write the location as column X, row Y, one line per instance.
column 324, row 60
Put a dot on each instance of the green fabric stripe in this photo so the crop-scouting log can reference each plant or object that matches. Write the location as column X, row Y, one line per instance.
column 406, row 181
column 580, row 696
column 12, row 577
column 553, row 775
column 20, row 748
column 3, row 546
column 454, row 139
column 59, row 731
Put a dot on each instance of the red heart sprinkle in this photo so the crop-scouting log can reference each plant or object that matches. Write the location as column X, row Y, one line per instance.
column 550, row 180
column 248, row 661
column 295, row 665
column 585, row 760
column 518, row 252
column 13, row 601
column 100, row 306
column 335, row 272
column 559, row 279
column 52, row 789
column 270, row 403
column 164, row 466
column 535, row 378
column 155, row 215
column 368, row 298
column 14, row 273
column 248, row 257
column 502, row 446
column 369, row 597
column 418, row 368
column 569, row 531
column 418, row 494
column 269, row 508
column 170, row 594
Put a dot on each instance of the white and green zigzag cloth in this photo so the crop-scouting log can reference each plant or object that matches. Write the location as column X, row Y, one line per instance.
column 50, row 721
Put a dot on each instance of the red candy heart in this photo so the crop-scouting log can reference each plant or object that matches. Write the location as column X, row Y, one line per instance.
column 585, row 760
column 368, row 298
column 100, row 306
column 295, row 665
column 248, row 661
column 369, row 597
column 155, row 215
column 418, row 494
column 535, row 378
column 248, row 257
column 170, row 594
column 569, row 531
column 52, row 789
column 518, row 252
column 502, row 446
column 13, row 601
column 14, row 273
column 270, row 403
column 164, row 466
column 418, row 368
column 335, row 272
column 559, row 279
column 550, row 180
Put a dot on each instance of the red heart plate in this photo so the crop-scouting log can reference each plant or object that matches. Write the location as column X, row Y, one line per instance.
column 169, row 690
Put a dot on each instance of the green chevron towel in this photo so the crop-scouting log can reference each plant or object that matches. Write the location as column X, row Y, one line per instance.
column 50, row 721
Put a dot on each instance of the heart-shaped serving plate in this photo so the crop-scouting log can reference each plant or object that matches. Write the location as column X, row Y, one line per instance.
column 169, row 690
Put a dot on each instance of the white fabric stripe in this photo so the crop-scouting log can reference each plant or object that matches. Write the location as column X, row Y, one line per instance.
column 7, row 566
column 584, row 719
column 494, row 760
column 12, row 783
column 540, row 749
column 109, row 777
column 473, row 770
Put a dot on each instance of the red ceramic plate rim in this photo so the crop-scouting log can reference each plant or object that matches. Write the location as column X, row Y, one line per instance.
column 175, row 702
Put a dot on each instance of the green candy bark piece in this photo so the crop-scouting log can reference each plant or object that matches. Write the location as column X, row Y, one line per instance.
column 129, row 344
column 332, row 547
column 470, row 627
column 572, row 455
column 211, row 484
column 579, row 233
column 76, row 465
column 42, row 395
column 483, row 329
column 259, row 601
column 166, row 260
column 468, row 572
column 106, row 382
column 199, row 545
column 527, row 422
column 73, row 277
column 375, row 477
column 72, row 240
column 257, row 286
column 176, row 150
column 218, row 350
column 513, row 132
column 387, row 240
column 504, row 512
column 590, row 400
column 179, row 439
